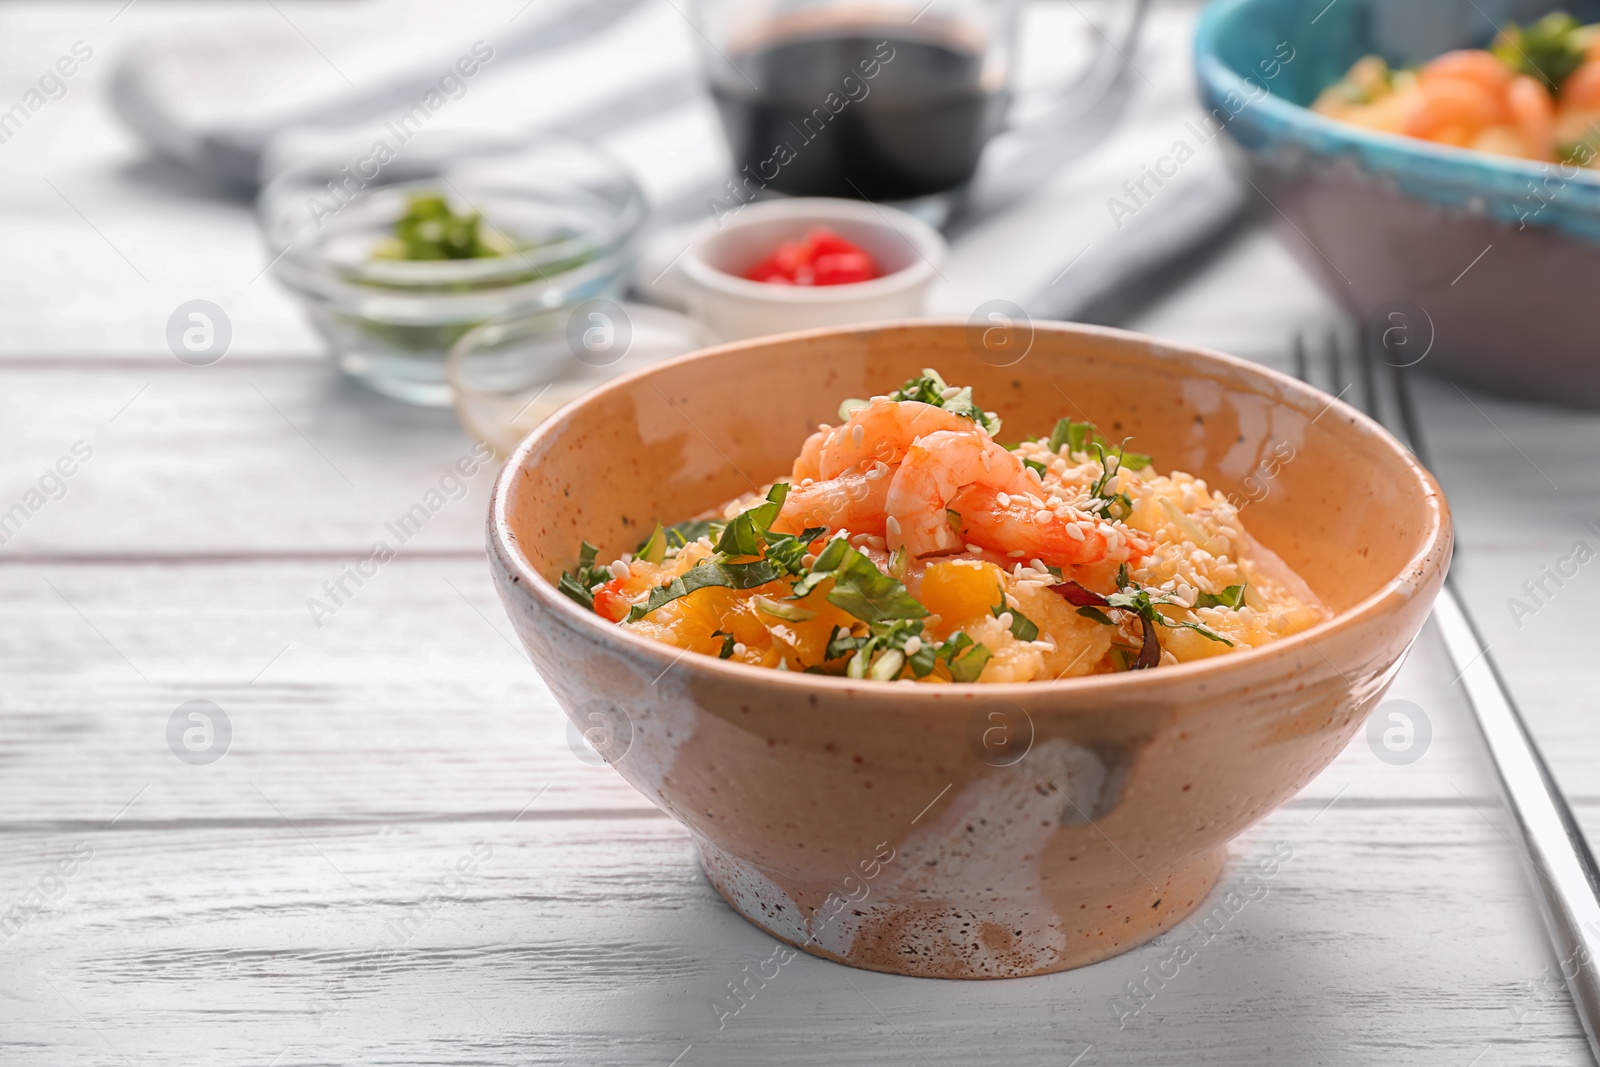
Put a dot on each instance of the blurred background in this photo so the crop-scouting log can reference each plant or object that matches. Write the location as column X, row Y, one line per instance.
column 110, row 234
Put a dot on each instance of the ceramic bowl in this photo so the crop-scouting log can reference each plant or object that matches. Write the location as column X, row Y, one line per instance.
column 1485, row 263
column 907, row 250
column 969, row 831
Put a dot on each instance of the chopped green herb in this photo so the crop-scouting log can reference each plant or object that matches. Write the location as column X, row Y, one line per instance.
column 744, row 535
column 580, row 586
column 701, row 576
column 788, row 551
column 822, row 569
column 1079, row 437
column 1038, row 468
column 783, row 609
column 1143, row 604
column 968, row 665
column 1550, row 49
column 684, row 533
column 860, row 588
column 654, row 549
column 1116, row 506
column 727, row 643
column 573, row 589
column 746, row 575
column 883, row 653
column 930, row 388
column 1137, row 602
column 1231, row 597
column 887, row 666
column 430, row 230
column 1022, row 628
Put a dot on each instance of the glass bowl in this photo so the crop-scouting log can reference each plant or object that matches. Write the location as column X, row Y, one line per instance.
column 508, row 376
column 566, row 213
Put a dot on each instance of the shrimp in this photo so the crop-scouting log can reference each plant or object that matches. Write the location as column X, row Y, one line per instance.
column 854, row 501
column 1472, row 65
column 937, row 467
column 1581, row 91
column 806, row 464
column 882, row 432
column 1452, row 109
column 1014, row 525
column 1535, row 115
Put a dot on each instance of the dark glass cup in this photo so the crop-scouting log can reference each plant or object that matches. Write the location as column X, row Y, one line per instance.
column 882, row 101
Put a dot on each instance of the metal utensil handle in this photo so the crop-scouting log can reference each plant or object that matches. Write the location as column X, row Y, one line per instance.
column 1558, row 856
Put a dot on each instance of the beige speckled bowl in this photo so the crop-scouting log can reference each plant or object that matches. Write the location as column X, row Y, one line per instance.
column 973, row 831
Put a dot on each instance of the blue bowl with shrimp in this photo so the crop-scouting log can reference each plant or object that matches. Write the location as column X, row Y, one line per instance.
column 1473, row 265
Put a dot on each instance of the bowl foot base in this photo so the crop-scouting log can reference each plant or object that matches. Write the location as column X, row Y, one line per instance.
column 879, row 925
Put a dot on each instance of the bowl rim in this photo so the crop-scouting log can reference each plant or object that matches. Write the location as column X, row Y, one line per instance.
column 1216, row 75
column 927, row 242
column 309, row 269
column 1438, row 542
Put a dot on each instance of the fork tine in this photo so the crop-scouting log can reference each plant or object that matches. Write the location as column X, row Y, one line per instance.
column 1336, row 369
column 1389, row 397
column 1410, row 428
column 1372, row 402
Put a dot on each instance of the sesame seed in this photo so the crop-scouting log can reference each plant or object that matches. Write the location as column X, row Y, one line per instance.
column 950, row 392
column 806, row 481
column 974, row 549
column 858, row 434
column 1075, row 531
column 913, row 645
column 1043, row 516
column 1004, row 499
column 941, row 537
column 1016, row 553
column 739, row 648
column 619, row 570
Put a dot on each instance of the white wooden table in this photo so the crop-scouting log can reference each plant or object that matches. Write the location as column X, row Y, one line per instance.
column 299, row 901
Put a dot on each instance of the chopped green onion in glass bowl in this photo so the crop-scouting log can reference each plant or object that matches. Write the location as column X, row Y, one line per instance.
column 397, row 261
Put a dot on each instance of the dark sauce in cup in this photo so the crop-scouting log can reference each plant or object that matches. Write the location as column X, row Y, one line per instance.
column 856, row 114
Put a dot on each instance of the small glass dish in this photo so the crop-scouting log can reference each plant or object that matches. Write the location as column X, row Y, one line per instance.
column 562, row 215
column 508, row 376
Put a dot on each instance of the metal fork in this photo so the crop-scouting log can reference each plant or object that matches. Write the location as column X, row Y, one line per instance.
column 1558, row 858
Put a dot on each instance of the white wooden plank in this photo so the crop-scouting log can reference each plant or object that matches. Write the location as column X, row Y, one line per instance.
column 244, row 457
column 1393, row 934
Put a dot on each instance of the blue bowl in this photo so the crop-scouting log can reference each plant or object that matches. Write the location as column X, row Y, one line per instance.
column 1482, row 265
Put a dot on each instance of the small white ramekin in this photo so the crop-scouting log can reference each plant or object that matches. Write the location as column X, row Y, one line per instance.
column 908, row 250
